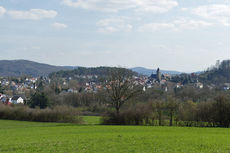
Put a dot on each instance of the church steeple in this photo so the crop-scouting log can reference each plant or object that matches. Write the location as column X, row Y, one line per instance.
column 158, row 75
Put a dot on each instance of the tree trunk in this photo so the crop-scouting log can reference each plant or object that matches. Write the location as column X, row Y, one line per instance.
column 152, row 121
column 118, row 106
column 171, row 119
column 160, row 118
column 118, row 111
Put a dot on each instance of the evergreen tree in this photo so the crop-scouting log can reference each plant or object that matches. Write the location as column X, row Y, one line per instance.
column 1, row 89
column 39, row 100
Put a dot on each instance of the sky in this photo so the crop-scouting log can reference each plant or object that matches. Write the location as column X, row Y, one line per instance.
column 182, row 35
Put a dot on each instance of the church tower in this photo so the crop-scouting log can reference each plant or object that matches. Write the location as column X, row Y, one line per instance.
column 158, row 75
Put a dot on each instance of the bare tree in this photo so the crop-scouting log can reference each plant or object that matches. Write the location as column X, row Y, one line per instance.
column 171, row 107
column 120, row 87
column 158, row 106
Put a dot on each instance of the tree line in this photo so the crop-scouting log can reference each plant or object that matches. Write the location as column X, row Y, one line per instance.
column 174, row 113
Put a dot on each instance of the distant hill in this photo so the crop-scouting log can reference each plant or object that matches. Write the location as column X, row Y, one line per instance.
column 83, row 71
column 218, row 74
column 25, row 67
column 148, row 72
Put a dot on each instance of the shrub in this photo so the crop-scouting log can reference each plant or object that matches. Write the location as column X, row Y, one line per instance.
column 24, row 113
column 135, row 115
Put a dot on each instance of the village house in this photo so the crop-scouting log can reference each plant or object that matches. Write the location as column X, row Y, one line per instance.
column 199, row 85
column 17, row 100
column 3, row 98
column 227, row 86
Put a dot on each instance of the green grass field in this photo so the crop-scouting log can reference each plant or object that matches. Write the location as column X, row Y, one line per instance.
column 91, row 120
column 22, row 137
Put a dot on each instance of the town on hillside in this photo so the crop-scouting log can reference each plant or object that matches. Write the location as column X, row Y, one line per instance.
column 18, row 90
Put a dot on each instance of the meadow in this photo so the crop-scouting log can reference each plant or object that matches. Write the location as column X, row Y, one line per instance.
column 91, row 120
column 19, row 136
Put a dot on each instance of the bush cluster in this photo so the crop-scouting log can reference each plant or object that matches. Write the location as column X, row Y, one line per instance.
column 139, row 114
column 210, row 114
column 24, row 113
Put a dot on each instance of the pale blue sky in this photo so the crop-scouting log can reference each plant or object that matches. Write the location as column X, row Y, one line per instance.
column 183, row 35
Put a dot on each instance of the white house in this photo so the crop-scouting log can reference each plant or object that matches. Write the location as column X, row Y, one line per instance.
column 17, row 100
column 199, row 85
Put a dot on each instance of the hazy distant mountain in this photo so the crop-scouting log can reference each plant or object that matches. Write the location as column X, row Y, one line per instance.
column 70, row 67
column 148, row 72
column 25, row 67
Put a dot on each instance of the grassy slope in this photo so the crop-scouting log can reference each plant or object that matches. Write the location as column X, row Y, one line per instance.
column 52, row 137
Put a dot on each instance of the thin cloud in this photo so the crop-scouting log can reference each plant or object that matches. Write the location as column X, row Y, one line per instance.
column 176, row 25
column 57, row 25
column 151, row 6
column 32, row 14
column 152, row 27
column 218, row 12
column 115, row 24
column 2, row 11
column 191, row 24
